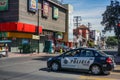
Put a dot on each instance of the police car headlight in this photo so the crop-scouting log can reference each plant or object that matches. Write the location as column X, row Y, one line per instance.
column 49, row 59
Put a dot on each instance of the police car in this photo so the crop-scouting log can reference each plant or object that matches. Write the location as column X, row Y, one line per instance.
column 87, row 59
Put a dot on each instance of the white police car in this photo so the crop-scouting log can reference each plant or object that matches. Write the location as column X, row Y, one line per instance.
column 87, row 59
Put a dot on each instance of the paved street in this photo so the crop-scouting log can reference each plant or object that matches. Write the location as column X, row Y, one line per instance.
column 34, row 68
column 29, row 68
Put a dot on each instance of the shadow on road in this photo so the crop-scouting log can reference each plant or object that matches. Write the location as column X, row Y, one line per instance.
column 118, row 71
column 43, row 58
column 14, row 75
column 74, row 72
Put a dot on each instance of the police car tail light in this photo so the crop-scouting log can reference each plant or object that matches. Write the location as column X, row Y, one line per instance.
column 109, row 60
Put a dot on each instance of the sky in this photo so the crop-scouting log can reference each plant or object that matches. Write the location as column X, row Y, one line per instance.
column 90, row 11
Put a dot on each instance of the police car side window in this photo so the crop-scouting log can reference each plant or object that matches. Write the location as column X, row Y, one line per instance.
column 97, row 54
column 69, row 53
column 86, row 53
column 82, row 54
column 77, row 53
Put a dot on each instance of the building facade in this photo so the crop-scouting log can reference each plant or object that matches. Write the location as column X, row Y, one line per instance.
column 81, row 36
column 31, row 22
column 69, row 29
column 95, row 35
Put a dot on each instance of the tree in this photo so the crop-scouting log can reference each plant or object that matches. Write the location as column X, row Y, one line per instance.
column 112, row 41
column 111, row 19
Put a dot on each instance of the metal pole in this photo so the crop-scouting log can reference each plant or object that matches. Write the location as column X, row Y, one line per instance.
column 38, row 29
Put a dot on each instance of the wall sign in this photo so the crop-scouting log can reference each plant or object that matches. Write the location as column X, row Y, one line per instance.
column 33, row 5
column 55, row 12
column 3, row 5
column 45, row 9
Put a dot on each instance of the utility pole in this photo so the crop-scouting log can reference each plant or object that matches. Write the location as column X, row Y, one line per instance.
column 77, row 21
column 38, row 29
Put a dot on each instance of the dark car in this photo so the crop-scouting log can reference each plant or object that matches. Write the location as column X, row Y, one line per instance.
column 87, row 59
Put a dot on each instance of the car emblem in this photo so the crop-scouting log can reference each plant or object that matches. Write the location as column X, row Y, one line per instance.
column 65, row 61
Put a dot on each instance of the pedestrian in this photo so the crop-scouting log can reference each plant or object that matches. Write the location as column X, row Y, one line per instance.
column 6, row 47
column 61, row 51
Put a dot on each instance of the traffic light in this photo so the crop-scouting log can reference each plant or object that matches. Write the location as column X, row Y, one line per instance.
column 118, row 29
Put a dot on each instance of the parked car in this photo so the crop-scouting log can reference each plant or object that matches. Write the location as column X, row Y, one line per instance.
column 85, row 59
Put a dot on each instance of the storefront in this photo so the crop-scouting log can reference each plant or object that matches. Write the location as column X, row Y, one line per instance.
column 31, row 22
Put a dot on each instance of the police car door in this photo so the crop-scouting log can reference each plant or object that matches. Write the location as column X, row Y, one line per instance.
column 66, row 61
column 86, row 58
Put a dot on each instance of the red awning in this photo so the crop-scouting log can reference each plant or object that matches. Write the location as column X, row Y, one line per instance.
column 40, row 29
column 18, row 26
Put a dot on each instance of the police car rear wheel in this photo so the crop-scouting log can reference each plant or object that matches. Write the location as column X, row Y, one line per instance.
column 95, row 69
column 55, row 66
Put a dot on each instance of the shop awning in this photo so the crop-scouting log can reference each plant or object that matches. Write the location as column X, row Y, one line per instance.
column 5, row 41
column 19, row 26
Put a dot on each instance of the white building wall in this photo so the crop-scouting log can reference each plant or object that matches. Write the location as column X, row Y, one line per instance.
column 70, row 23
column 97, row 37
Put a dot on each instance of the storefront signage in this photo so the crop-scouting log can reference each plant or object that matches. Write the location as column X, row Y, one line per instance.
column 33, row 5
column 35, row 37
column 55, row 12
column 45, row 9
column 3, row 5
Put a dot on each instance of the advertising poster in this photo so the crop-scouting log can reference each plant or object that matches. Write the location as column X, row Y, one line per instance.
column 3, row 5
column 45, row 9
column 33, row 5
column 55, row 12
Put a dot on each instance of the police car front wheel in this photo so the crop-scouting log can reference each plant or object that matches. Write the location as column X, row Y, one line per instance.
column 95, row 69
column 55, row 66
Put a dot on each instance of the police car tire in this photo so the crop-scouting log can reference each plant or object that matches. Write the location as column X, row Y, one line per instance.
column 55, row 66
column 97, row 67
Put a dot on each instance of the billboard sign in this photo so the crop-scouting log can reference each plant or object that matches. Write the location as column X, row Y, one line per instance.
column 33, row 5
column 55, row 12
column 45, row 9
column 3, row 5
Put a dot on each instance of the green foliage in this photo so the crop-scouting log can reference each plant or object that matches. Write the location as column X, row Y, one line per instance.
column 27, row 48
column 112, row 41
column 91, row 44
column 111, row 16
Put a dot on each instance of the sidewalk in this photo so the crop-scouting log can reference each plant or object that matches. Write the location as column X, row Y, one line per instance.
column 117, row 59
column 30, row 54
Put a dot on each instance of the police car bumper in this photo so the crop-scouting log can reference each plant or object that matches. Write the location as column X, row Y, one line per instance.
column 108, row 67
column 49, row 61
column 48, row 64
